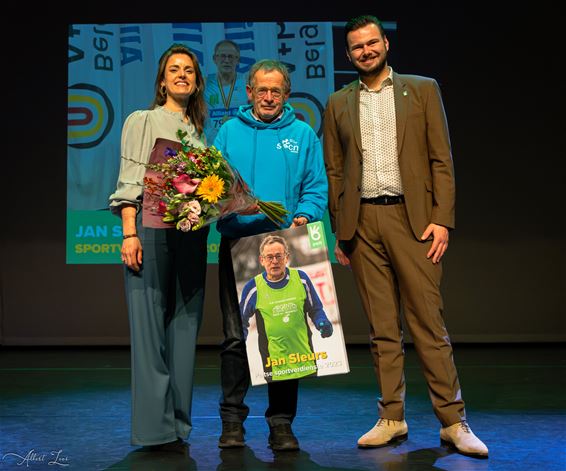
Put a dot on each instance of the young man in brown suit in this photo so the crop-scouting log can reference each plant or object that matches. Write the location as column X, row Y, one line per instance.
column 391, row 202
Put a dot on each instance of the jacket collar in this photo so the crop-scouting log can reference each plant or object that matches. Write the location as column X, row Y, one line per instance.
column 401, row 94
column 353, row 102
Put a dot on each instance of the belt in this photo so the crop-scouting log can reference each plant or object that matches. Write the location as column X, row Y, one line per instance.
column 384, row 199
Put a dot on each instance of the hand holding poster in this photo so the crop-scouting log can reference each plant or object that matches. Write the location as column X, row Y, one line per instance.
column 288, row 304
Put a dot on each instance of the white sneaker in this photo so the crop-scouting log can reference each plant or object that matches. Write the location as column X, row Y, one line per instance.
column 385, row 432
column 461, row 437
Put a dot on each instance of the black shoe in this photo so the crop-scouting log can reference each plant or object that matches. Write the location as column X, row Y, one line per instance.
column 232, row 435
column 281, row 438
column 177, row 446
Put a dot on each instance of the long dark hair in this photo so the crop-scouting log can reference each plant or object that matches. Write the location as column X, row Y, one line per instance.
column 196, row 108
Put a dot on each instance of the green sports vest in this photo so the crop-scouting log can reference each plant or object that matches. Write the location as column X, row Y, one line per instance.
column 290, row 354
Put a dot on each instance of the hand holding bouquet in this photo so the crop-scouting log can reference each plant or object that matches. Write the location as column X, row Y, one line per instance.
column 196, row 187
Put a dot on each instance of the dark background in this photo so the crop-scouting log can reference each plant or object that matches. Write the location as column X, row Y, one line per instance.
column 499, row 72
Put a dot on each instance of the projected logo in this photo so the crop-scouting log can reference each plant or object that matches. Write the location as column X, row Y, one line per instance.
column 89, row 116
column 308, row 109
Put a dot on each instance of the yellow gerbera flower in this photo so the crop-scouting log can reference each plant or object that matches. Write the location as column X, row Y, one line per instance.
column 211, row 188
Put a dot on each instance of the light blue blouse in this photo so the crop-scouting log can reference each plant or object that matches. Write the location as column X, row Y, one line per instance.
column 139, row 133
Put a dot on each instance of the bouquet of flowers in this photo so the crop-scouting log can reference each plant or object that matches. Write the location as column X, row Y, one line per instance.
column 196, row 187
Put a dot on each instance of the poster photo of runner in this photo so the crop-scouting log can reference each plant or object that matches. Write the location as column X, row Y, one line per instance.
column 288, row 304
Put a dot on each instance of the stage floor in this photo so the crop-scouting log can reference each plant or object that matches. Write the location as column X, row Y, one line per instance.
column 69, row 408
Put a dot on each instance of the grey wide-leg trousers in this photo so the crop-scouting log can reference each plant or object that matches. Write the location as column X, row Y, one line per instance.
column 165, row 302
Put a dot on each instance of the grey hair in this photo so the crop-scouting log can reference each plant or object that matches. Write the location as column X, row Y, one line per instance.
column 272, row 239
column 226, row 41
column 269, row 65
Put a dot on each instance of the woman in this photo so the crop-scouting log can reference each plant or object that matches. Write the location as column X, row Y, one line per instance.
column 164, row 268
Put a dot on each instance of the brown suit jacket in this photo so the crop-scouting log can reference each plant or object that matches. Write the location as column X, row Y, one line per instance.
column 423, row 146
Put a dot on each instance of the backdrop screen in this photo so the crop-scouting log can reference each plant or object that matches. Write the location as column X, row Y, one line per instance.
column 111, row 73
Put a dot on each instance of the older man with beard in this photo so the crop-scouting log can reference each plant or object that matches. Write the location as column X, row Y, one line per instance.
column 391, row 202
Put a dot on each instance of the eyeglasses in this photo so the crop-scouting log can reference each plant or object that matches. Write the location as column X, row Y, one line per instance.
column 230, row 57
column 261, row 92
column 278, row 257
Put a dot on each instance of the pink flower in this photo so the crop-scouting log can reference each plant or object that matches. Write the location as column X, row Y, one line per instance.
column 184, row 225
column 194, row 207
column 190, row 207
column 185, row 184
column 193, row 218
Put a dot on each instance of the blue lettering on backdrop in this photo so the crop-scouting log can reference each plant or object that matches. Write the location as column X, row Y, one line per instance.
column 312, row 53
column 75, row 52
column 283, row 49
column 244, row 40
column 192, row 37
column 98, row 231
column 223, row 112
column 100, row 43
column 130, row 53
column 92, row 231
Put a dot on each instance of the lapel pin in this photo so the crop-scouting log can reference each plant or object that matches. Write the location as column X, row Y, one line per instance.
column 405, row 92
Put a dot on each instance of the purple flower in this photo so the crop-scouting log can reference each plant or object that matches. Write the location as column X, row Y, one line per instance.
column 170, row 152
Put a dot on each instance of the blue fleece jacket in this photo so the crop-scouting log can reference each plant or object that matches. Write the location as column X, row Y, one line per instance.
column 280, row 161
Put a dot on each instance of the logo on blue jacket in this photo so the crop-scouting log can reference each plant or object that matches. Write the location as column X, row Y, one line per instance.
column 290, row 144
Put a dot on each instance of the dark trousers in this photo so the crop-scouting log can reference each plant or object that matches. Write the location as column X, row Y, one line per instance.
column 235, row 374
